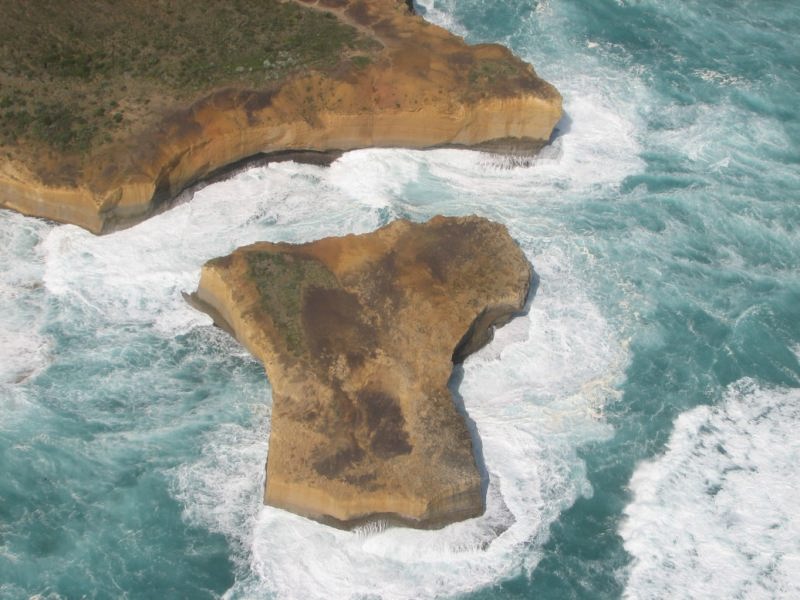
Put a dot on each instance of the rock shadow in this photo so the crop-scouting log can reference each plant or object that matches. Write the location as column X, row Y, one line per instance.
column 563, row 127
column 454, row 384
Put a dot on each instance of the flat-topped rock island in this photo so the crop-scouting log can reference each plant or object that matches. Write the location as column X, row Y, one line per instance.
column 358, row 336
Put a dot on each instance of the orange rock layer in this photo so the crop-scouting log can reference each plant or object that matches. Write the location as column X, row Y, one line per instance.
column 426, row 88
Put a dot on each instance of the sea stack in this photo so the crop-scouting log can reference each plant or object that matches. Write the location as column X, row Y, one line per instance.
column 358, row 336
column 105, row 118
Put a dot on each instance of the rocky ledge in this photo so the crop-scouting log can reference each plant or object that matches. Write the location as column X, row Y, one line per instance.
column 358, row 335
column 101, row 128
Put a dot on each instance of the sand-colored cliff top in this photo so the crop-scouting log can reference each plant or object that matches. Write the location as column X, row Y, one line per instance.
column 109, row 109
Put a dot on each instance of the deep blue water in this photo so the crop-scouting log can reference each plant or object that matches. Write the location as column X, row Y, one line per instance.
column 639, row 424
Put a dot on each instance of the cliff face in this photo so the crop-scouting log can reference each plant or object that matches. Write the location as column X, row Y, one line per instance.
column 418, row 86
column 358, row 335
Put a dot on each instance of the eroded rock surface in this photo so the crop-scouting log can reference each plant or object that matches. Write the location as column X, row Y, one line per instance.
column 358, row 336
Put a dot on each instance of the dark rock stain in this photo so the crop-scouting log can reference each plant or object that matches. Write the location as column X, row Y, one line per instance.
column 444, row 250
column 365, row 481
column 461, row 60
column 334, row 326
column 386, row 423
column 255, row 103
column 181, row 125
column 385, row 28
column 331, row 465
column 359, row 12
column 381, row 287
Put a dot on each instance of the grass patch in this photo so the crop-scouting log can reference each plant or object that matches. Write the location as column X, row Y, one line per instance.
column 361, row 61
column 74, row 72
column 487, row 73
column 491, row 77
column 282, row 280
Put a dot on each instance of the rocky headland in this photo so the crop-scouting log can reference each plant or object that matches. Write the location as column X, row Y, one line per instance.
column 358, row 336
column 109, row 109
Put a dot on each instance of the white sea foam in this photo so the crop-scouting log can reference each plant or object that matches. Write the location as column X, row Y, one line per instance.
column 387, row 174
column 717, row 77
column 223, row 488
column 603, row 103
column 598, row 151
column 441, row 16
column 24, row 350
column 717, row 515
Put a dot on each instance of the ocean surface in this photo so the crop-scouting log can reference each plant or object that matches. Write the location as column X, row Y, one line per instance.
column 640, row 424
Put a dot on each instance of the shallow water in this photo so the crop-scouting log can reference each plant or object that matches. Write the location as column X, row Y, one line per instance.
column 664, row 225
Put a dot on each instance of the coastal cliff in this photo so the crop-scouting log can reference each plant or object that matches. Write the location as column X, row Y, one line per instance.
column 382, row 77
column 358, row 335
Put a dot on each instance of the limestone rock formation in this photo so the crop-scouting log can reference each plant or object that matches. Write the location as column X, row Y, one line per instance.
column 410, row 84
column 358, row 335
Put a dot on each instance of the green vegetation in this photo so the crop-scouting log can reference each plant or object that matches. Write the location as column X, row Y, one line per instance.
column 491, row 72
column 281, row 280
column 62, row 125
column 361, row 61
column 73, row 73
column 496, row 77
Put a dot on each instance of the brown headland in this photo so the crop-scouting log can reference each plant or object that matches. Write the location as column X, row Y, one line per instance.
column 108, row 109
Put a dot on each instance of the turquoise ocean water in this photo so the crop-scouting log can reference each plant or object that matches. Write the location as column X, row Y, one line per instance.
column 639, row 424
